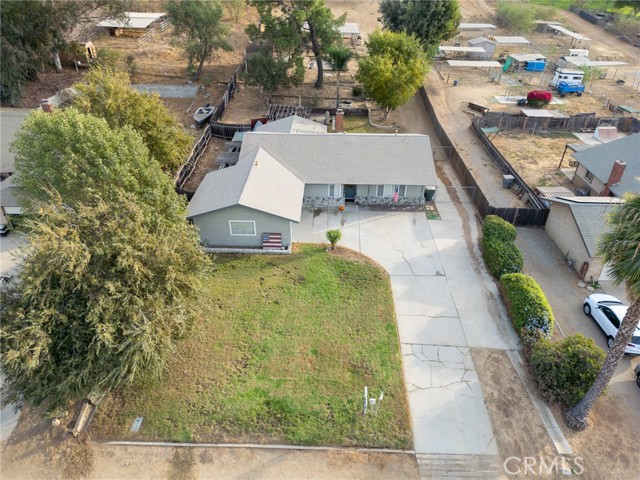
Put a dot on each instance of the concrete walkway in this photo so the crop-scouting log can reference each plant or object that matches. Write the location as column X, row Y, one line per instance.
column 443, row 307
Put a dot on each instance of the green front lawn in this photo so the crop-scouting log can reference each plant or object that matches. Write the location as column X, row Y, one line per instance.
column 283, row 355
column 360, row 124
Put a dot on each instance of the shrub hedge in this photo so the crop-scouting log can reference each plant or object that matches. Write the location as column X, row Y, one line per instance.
column 495, row 228
column 528, row 307
column 564, row 371
column 502, row 257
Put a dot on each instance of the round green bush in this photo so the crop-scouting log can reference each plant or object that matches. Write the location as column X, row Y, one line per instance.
column 495, row 228
column 564, row 371
column 529, row 309
column 502, row 257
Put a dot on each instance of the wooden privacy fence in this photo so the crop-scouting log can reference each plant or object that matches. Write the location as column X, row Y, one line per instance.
column 505, row 167
column 189, row 166
column 571, row 124
column 535, row 216
column 200, row 146
column 227, row 130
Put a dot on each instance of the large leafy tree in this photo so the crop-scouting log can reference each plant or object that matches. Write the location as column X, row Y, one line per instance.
column 292, row 26
column 620, row 248
column 271, row 69
column 394, row 68
column 80, row 156
column 34, row 30
column 108, row 94
column 431, row 21
column 111, row 273
column 634, row 5
column 199, row 29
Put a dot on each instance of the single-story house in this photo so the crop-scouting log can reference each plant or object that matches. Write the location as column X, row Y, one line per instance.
column 611, row 168
column 575, row 225
column 293, row 163
column 10, row 121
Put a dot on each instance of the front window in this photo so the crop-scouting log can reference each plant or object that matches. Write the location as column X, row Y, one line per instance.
column 390, row 190
column 242, row 227
column 334, row 190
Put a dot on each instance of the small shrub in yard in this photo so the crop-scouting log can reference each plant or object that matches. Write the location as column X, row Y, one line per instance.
column 334, row 237
column 497, row 228
column 539, row 98
column 529, row 309
column 501, row 257
column 564, row 371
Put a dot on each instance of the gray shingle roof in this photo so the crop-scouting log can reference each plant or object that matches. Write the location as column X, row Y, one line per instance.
column 359, row 159
column 600, row 158
column 257, row 181
column 293, row 124
column 590, row 214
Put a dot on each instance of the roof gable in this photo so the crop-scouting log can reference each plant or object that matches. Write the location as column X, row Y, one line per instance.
column 599, row 160
column 257, row 181
column 293, row 124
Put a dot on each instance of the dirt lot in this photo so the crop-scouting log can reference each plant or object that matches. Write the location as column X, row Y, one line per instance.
column 536, row 157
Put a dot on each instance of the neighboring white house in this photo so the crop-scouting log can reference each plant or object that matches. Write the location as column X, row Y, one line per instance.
column 293, row 163
column 612, row 168
column 575, row 225
column 10, row 121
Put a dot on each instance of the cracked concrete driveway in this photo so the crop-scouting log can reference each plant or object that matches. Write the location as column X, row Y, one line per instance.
column 444, row 306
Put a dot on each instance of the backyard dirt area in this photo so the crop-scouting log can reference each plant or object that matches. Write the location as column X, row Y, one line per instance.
column 537, row 157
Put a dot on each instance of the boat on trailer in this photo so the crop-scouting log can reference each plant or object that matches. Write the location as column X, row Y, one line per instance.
column 203, row 114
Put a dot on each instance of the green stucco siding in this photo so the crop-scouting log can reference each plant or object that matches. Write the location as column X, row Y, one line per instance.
column 214, row 227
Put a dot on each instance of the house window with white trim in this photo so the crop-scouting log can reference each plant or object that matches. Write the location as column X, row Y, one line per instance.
column 588, row 176
column 335, row 190
column 242, row 227
column 389, row 190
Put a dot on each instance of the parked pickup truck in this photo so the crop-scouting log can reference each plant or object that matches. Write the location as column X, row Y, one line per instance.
column 564, row 88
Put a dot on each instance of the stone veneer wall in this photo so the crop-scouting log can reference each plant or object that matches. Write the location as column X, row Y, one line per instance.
column 322, row 202
column 389, row 201
column 328, row 202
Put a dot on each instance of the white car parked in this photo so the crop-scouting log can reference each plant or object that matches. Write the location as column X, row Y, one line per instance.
column 608, row 312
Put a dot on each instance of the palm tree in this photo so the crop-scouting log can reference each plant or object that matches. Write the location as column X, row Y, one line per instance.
column 339, row 58
column 620, row 247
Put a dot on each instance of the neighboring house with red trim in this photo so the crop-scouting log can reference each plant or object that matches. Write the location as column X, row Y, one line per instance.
column 610, row 169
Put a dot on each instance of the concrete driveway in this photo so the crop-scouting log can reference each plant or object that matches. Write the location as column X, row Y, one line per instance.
column 443, row 307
